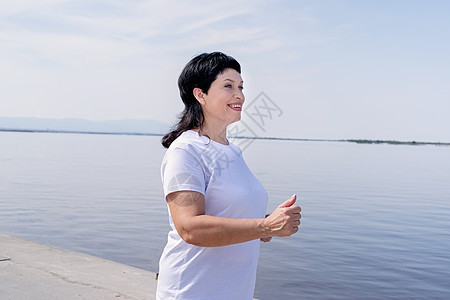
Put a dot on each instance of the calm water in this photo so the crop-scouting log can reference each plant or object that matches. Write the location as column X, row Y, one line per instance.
column 376, row 218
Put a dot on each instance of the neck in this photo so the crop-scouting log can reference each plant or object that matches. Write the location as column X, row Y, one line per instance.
column 217, row 134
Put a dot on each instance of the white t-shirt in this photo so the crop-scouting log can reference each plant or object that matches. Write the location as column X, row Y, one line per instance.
column 195, row 163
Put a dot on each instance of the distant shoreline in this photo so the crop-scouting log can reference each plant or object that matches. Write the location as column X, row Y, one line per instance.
column 358, row 141
column 78, row 132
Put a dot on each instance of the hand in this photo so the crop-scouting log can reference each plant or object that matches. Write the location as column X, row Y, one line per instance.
column 284, row 220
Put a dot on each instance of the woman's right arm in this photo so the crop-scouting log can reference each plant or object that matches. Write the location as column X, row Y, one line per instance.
column 187, row 209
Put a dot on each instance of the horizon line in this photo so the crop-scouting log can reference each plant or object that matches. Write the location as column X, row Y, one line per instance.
column 357, row 141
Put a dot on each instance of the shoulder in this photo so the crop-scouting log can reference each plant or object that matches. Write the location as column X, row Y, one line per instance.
column 181, row 168
column 189, row 146
column 189, row 141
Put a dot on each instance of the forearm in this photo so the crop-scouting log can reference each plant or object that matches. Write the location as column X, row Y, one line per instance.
column 195, row 227
column 210, row 231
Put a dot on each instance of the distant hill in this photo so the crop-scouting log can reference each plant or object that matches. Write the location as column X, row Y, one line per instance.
column 74, row 124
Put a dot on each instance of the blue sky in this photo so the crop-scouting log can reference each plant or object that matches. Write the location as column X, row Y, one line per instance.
column 335, row 69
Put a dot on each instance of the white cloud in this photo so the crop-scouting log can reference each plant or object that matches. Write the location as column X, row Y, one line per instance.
column 10, row 7
column 55, row 30
column 105, row 59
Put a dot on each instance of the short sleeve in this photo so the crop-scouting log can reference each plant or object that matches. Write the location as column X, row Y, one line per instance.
column 181, row 171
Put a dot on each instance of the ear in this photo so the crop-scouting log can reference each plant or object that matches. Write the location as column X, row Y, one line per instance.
column 199, row 95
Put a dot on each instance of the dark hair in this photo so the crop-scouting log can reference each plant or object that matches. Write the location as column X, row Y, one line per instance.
column 199, row 72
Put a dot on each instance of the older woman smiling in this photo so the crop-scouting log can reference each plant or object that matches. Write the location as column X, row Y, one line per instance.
column 216, row 209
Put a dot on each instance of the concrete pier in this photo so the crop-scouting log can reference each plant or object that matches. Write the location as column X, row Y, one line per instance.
column 30, row 270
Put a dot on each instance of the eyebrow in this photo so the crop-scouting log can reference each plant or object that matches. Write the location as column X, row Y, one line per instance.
column 242, row 81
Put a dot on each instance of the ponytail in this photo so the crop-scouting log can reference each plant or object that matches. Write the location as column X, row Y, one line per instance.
column 191, row 118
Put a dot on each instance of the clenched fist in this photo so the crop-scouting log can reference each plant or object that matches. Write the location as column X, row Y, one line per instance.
column 284, row 220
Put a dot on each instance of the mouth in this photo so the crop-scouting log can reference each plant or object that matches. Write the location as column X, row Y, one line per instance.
column 235, row 106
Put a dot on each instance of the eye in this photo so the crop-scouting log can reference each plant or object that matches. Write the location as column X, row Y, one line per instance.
column 241, row 87
column 228, row 86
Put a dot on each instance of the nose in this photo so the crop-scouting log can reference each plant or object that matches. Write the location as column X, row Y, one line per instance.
column 240, row 95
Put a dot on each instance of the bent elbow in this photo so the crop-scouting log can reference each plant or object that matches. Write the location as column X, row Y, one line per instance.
column 189, row 237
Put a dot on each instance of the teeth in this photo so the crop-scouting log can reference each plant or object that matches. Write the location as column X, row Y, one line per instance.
column 235, row 105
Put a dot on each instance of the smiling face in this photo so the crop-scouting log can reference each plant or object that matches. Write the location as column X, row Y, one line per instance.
column 222, row 104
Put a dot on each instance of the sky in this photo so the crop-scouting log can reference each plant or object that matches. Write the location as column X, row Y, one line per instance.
column 375, row 69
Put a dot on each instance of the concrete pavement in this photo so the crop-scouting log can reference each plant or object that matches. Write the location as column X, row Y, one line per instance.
column 30, row 270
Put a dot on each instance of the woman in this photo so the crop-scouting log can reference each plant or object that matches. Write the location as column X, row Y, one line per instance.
column 216, row 206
